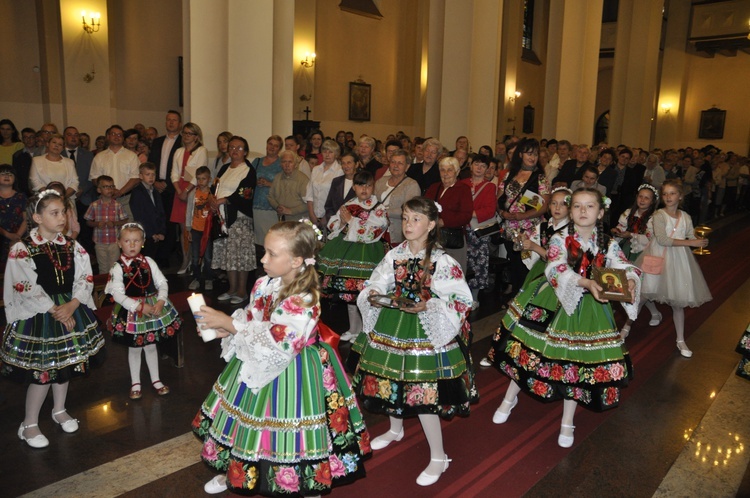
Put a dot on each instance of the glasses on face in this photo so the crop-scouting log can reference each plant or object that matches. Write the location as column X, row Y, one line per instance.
column 189, row 134
column 235, row 147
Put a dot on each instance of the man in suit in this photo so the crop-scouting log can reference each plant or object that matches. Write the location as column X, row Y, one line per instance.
column 625, row 189
column 22, row 159
column 86, row 193
column 573, row 169
column 161, row 155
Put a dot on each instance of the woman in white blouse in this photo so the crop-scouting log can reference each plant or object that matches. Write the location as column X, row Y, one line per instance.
column 320, row 182
column 53, row 167
column 187, row 159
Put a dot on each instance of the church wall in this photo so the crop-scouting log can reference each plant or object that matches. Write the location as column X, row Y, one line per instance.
column 384, row 53
column 20, row 84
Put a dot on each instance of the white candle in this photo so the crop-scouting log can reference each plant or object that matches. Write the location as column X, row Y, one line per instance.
column 195, row 301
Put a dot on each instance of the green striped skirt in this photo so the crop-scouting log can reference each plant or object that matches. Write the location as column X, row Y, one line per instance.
column 579, row 357
column 40, row 350
column 344, row 266
column 136, row 330
column 302, row 433
column 398, row 371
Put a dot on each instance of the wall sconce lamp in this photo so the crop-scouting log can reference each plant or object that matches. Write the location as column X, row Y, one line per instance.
column 309, row 60
column 95, row 22
column 666, row 108
column 515, row 96
column 89, row 77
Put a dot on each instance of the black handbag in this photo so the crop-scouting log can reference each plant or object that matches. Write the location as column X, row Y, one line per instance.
column 452, row 238
column 217, row 230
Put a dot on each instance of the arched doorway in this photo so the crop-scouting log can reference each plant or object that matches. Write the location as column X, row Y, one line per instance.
column 601, row 128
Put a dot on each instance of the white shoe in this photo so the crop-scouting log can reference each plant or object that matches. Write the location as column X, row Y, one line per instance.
column 348, row 336
column 502, row 417
column 384, row 440
column 237, row 299
column 216, row 485
column 194, row 284
column 655, row 320
column 225, row 297
column 183, row 270
column 209, row 285
column 566, row 441
column 684, row 350
column 38, row 441
column 485, row 362
column 426, row 479
column 69, row 426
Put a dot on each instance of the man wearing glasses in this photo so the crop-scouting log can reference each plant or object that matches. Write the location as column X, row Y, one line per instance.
column 119, row 163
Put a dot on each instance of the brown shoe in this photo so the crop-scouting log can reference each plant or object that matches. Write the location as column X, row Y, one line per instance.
column 135, row 393
column 161, row 391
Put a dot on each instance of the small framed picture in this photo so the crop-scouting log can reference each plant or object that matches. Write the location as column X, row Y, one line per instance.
column 532, row 199
column 359, row 101
column 614, row 282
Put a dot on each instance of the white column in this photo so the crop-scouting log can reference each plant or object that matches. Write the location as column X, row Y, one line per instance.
column 434, row 88
column 673, row 75
column 634, row 76
column 250, row 73
column 283, row 67
column 572, row 65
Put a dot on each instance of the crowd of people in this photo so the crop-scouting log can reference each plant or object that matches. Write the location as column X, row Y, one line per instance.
column 400, row 230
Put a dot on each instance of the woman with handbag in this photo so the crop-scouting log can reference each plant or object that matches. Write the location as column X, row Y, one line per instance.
column 457, row 205
column 671, row 273
column 187, row 159
column 483, row 223
column 232, row 204
column 525, row 176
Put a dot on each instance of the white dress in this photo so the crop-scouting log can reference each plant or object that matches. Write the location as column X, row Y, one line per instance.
column 681, row 282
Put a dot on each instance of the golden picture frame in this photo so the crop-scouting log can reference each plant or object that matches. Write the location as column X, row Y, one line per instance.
column 614, row 283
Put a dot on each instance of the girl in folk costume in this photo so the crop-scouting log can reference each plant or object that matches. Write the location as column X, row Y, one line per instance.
column 536, row 247
column 52, row 333
column 743, row 348
column 281, row 418
column 574, row 353
column 142, row 315
column 354, row 248
column 414, row 360
column 634, row 228
column 679, row 282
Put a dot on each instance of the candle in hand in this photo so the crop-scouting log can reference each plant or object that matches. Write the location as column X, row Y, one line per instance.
column 195, row 301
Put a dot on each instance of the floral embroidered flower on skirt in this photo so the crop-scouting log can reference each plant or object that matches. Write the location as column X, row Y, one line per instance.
column 579, row 357
column 137, row 330
column 344, row 266
column 285, row 439
column 40, row 350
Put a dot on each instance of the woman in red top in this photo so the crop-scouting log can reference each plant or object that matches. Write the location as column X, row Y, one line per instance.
column 456, row 208
column 484, row 196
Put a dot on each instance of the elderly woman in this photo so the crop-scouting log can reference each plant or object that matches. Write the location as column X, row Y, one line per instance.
column 266, row 169
column 187, row 159
column 320, row 183
column 484, row 197
column 233, row 200
column 524, row 182
column 654, row 174
column 288, row 189
column 366, row 151
column 395, row 189
column 427, row 172
column 53, row 167
column 457, row 207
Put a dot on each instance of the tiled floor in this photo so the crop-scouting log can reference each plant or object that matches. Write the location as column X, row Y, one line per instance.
column 654, row 443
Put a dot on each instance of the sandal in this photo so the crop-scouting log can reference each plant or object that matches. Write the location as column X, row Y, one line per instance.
column 161, row 391
column 135, row 393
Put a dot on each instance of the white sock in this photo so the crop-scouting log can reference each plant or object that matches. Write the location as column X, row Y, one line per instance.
column 134, row 361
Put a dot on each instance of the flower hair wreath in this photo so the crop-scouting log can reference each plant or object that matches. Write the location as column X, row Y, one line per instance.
column 46, row 193
column 606, row 202
column 567, row 198
column 651, row 188
column 438, row 206
column 133, row 225
column 315, row 228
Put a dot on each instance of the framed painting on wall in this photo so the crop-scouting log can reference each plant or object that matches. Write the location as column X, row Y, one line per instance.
column 359, row 101
column 712, row 123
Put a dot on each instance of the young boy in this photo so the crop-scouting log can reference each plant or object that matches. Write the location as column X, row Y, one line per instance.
column 148, row 209
column 196, row 213
column 590, row 179
column 105, row 215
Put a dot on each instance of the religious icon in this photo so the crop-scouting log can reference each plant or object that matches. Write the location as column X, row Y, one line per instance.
column 614, row 283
